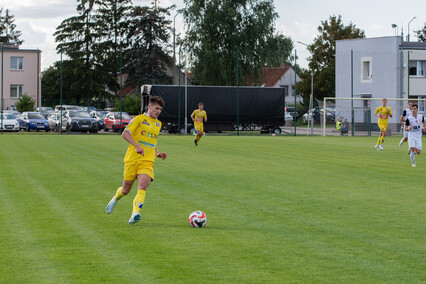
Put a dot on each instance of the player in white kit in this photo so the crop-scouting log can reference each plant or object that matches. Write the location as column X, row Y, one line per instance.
column 415, row 125
column 406, row 113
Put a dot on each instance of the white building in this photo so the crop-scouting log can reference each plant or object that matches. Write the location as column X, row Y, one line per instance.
column 385, row 67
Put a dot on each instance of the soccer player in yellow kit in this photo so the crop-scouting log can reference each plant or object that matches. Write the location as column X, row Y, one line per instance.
column 141, row 133
column 382, row 112
column 197, row 117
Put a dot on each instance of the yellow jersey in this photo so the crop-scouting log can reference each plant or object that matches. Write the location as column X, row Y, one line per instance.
column 198, row 117
column 384, row 113
column 145, row 131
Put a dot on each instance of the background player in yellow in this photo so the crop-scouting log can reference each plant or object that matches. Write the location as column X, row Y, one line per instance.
column 197, row 117
column 141, row 133
column 382, row 112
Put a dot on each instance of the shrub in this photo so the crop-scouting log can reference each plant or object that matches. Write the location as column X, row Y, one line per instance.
column 25, row 103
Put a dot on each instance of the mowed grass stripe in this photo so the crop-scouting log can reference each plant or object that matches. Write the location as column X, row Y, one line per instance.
column 331, row 176
column 277, row 210
column 60, row 218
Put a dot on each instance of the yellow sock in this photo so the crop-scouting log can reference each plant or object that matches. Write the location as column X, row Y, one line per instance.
column 119, row 194
column 383, row 140
column 378, row 140
column 198, row 138
column 138, row 201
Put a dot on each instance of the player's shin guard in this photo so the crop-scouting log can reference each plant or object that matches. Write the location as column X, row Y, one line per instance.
column 413, row 159
column 119, row 194
column 138, row 201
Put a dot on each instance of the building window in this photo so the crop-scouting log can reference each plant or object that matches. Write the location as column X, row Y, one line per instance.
column 16, row 63
column 16, row 91
column 417, row 68
column 366, row 69
column 421, row 105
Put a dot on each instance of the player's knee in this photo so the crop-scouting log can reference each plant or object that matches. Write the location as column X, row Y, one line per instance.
column 126, row 187
column 142, row 186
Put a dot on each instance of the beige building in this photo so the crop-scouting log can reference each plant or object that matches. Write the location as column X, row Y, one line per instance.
column 21, row 75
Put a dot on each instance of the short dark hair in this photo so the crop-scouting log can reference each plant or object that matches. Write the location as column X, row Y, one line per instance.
column 156, row 100
column 200, row 103
column 415, row 105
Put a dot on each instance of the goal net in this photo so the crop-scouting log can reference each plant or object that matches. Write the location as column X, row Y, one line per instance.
column 357, row 115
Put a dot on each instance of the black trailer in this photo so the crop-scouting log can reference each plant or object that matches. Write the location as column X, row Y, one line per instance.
column 228, row 108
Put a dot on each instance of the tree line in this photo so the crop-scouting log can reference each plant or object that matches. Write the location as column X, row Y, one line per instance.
column 107, row 35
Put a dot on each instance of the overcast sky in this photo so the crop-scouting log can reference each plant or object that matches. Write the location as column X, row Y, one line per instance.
column 38, row 19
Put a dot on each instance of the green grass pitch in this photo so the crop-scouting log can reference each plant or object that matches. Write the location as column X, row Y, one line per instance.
column 280, row 210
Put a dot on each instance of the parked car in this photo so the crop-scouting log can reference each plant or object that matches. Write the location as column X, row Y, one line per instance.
column 18, row 116
column 35, row 121
column 317, row 114
column 45, row 111
column 80, row 121
column 55, row 123
column 112, row 121
column 8, row 122
column 66, row 107
column 287, row 116
column 292, row 111
column 89, row 109
column 99, row 116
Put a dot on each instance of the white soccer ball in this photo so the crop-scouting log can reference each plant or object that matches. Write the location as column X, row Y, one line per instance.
column 273, row 134
column 197, row 219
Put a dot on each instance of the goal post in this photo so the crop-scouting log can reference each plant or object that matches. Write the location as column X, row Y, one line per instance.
column 357, row 114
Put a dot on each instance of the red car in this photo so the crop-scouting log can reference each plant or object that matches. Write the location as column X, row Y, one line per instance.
column 112, row 121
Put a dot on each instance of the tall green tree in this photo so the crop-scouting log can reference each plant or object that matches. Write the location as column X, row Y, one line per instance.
column 421, row 34
column 78, row 37
column 322, row 60
column 218, row 28
column 8, row 34
column 149, row 53
column 112, row 22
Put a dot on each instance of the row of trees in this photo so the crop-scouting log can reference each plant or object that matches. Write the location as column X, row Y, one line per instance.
column 107, row 34
column 102, row 37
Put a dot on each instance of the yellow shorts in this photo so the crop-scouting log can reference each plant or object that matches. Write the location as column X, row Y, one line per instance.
column 198, row 129
column 383, row 125
column 133, row 169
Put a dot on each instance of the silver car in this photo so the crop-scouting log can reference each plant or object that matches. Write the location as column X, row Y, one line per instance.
column 54, row 122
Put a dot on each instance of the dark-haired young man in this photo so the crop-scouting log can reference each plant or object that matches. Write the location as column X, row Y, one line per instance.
column 415, row 125
column 141, row 133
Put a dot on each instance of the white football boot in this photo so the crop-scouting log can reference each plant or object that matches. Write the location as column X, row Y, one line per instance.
column 111, row 205
column 135, row 218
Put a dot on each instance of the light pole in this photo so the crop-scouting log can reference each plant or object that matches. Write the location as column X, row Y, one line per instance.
column 395, row 27
column 174, row 36
column 408, row 36
column 186, row 101
column 2, row 89
column 295, row 90
column 311, row 99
